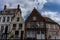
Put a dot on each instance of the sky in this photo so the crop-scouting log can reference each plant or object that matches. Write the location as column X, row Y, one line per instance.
column 47, row 8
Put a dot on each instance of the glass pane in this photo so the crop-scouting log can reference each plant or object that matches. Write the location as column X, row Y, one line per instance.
column 3, row 19
column 34, row 18
column 30, row 34
column 8, row 18
column 20, row 26
column 0, row 19
column 14, row 26
column 2, row 28
column 17, row 19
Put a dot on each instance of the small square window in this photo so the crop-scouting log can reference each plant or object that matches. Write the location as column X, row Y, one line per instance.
column 34, row 18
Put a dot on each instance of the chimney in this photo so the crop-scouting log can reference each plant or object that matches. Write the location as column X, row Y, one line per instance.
column 5, row 7
column 18, row 7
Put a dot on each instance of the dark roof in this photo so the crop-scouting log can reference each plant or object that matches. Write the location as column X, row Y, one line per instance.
column 47, row 19
column 35, row 13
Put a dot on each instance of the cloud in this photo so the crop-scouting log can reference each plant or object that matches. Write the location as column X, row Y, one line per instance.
column 54, row 1
column 53, row 15
column 26, row 5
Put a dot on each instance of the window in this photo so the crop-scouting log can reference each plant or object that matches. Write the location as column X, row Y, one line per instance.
column 34, row 18
column 16, row 34
column 38, row 24
column 41, row 24
column 38, row 32
column 14, row 26
column 20, row 26
column 52, row 33
column 6, row 29
column 3, row 19
column 33, row 25
column 28, row 25
column 42, row 32
column 0, row 19
column 11, row 36
column 2, row 28
column 30, row 33
column 54, row 27
column 11, row 18
column 49, row 26
column 8, row 18
column 17, row 19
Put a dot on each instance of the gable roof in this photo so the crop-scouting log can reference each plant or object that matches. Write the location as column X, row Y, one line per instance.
column 34, row 13
column 47, row 20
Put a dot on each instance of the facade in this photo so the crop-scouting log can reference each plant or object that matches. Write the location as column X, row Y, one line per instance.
column 38, row 27
column 35, row 27
column 11, row 23
column 52, row 28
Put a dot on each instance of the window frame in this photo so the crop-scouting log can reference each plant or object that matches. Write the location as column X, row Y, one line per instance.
column 20, row 25
column 17, row 19
column 34, row 18
column 8, row 19
column 4, row 18
column 14, row 26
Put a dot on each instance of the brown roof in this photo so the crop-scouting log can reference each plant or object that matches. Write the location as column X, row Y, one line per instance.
column 12, row 9
column 34, row 13
column 9, row 11
column 48, row 20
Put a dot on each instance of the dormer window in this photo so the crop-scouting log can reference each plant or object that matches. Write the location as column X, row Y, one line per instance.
column 34, row 18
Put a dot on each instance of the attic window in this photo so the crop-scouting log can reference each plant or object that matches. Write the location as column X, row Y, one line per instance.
column 34, row 18
column 17, row 19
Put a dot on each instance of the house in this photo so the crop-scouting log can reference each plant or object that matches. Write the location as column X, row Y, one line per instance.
column 35, row 26
column 12, row 18
column 59, row 33
column 38, row 27
column 52, row 28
